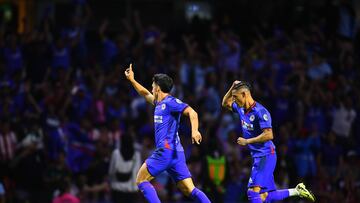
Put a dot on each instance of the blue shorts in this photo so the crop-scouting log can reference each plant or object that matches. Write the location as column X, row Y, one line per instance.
column 173, row 162
column 262, row 173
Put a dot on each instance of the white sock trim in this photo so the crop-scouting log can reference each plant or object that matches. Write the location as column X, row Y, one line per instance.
column 293, row 192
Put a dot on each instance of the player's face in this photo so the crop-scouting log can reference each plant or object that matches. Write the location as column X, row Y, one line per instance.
column 155, row 90
column 239, row 97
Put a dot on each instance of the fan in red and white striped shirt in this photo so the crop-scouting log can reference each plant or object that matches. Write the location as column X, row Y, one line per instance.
column 8, row 142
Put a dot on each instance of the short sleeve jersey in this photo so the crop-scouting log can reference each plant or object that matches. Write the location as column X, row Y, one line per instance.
column 167, row 120
column 253, row 122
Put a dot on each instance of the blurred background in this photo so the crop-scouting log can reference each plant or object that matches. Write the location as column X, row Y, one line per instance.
column 70, row 120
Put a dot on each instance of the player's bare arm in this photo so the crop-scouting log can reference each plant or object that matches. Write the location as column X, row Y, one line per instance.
column 129, row 73
column 193, row 116
column 266, row 135
column 227, row 99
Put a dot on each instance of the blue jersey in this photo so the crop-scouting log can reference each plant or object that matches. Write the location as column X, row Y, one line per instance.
column 167, row 120
column 253, row 122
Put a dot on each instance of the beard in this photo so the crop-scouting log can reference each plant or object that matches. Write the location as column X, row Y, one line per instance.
column 240, row 104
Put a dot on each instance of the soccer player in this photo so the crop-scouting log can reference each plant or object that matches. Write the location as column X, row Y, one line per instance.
column 257, row 135
column 169, row 153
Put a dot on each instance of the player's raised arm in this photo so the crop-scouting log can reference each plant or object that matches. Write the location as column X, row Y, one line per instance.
column 138, row 87
column 193, row 116
column 227, row 99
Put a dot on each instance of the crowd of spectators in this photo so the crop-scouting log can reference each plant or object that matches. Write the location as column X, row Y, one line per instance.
column 65, row 104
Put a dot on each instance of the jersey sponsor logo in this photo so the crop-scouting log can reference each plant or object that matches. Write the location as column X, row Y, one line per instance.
column 163, row 106
column 252, row 118
column 247, row 126
column 158, row 119
column 265, row 116
column 178, row 101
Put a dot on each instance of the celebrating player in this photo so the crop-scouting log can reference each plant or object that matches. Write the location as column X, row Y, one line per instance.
column 169, row 153
column 257, row 134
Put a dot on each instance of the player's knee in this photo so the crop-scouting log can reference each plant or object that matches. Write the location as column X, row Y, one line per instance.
column 186, row 190
column 143, row 175
column 139, row 178
column 186, row 186
column 139, row 181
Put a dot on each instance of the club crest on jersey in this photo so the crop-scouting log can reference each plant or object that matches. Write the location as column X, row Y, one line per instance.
column 265, row 116
column 178, row 101
column 252, row 118
column 163, row 106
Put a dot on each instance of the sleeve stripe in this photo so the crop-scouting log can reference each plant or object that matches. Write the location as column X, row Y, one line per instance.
column 182, row 111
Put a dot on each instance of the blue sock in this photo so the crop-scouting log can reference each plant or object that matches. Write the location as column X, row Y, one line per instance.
column 277, row 195
column 254, row 197
column 149, row 192
column 199, row 196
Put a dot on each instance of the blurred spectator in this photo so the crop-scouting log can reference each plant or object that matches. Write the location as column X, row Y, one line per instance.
column 332, row 154
column 343, row 117
column 13, row 56
column 65, row 195
column 80, row 147
column 30, row 156
column 8, row 142
column 96, row 188
column 2, row 193
column 55, row 140
column 124, row 165
column 80, row 102
column 305, row 147
column 282, row 106
column 346, row 19
column 56, row 172
column 61, row 56
column 75, row 33
column 347, row 177
column 194, row 162
column 231, row 149
column 229, row 51
column 225, row 127
column 319, row 69
column 217, row 172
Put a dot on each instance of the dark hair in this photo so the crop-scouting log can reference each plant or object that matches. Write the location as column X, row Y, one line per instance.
column 164, row 81
column 127, row 149
column 243, row 84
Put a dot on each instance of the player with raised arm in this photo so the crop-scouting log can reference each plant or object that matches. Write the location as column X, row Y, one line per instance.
column 257, row 135
column 169, row 153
